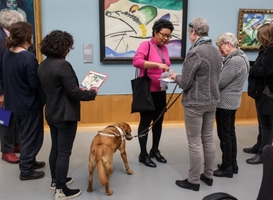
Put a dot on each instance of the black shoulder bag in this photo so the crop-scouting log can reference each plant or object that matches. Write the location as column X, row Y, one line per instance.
column 141, row 93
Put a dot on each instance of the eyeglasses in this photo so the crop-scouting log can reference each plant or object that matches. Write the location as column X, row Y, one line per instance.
column 165, row 36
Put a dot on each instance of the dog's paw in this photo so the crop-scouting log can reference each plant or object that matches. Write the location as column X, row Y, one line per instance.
column 89, row 190
column 109, row 192
column 129, row 171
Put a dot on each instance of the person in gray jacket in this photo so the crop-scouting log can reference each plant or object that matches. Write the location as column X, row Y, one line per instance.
column 231, row 81
column 199, row 81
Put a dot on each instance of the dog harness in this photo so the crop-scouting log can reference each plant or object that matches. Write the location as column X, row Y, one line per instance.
column 122, row 135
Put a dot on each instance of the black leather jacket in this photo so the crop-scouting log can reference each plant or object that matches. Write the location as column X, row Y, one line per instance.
column 261, row 73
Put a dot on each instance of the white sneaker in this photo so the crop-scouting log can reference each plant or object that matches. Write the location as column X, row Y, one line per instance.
column 69, row 180
column 66, row 193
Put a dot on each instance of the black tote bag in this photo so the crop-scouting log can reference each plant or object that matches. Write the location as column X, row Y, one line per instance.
column 142, row 98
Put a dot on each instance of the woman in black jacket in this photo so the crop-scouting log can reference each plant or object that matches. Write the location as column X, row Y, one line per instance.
column 63, row 96
column 260, row 76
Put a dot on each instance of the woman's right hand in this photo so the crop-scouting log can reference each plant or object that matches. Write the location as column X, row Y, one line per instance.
column 164, row 67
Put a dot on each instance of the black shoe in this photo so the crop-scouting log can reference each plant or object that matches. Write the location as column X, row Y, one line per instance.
column 34, row 175
column 187, row 185
column 146, row 160
column 66, row 193
column 208, row 181
column 157, row 156
column 235, row 168
column 251, row 150
column 257, row 159
column 69, row 180
column 38, row 165
column 223, row 173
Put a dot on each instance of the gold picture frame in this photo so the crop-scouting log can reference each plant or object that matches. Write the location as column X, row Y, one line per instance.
column 249, row 22
column 38, row 28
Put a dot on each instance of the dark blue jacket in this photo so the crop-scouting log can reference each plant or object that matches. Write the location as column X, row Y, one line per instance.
column 22, row 85
column 3, row 36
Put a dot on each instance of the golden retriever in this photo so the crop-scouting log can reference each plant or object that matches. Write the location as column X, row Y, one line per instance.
column 102, row 150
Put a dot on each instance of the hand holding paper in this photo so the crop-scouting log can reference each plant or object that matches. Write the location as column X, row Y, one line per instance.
column 93, row 81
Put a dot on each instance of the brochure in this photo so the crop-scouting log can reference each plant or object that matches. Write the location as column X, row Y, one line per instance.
column 168, row 80
column 4, row 116
column 93, row 80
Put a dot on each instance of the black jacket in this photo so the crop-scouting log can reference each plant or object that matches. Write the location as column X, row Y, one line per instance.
column 261, row 73
column 62, row 91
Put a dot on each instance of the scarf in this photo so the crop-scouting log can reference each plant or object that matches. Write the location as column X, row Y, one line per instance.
column 201, row 40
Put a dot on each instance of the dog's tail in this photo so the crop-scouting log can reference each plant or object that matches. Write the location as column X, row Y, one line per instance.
column 101, row 170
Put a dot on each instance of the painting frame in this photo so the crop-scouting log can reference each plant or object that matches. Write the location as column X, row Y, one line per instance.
column 248, row 23
column 180, row 40
column 31, row 12
column 38, row 29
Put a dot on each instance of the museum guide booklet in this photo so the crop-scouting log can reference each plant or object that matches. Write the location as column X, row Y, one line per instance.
column 93, row 80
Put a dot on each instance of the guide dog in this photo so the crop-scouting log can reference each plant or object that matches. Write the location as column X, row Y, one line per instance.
column 102, row 150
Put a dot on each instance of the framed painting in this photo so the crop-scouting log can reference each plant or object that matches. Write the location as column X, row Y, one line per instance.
column 249, row 22
column 124, row 24
column 30, row 9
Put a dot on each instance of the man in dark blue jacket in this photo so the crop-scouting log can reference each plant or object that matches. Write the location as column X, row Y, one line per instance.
column 10, row 141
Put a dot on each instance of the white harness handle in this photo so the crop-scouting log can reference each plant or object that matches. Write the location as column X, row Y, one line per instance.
column 122, row 135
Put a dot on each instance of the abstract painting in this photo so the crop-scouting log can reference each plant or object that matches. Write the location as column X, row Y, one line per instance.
column 249, row 22
column 124, row 24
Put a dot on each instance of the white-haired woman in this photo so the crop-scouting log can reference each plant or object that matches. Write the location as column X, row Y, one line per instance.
column 231, row 81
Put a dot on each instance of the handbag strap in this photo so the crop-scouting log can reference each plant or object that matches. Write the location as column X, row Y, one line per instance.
column 147, row 58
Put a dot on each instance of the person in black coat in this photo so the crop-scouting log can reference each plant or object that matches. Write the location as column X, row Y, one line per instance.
column 260, row 76
column 62, row 111
column 10, row 140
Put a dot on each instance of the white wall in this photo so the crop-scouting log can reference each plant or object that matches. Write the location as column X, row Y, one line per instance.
column 81, row 19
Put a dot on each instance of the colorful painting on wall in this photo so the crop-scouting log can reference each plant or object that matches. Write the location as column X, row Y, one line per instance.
column 249, row 22
column 124, row 24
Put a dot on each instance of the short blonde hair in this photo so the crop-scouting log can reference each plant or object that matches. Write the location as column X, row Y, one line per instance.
column 227, row 38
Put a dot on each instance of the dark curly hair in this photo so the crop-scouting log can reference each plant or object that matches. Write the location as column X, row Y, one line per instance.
column 160, row 24
column 20, row 32
column 57, row 44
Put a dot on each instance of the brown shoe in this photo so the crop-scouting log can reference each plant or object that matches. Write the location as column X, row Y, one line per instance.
column 10, row 157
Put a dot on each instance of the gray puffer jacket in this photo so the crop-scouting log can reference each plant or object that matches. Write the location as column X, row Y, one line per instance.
column 200, row 76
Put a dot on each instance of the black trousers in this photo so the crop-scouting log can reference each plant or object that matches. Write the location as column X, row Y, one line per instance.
column 225, row 120
column 31, row 129
column 9, row 135
column 159, row 99
column 62, row 137
column 265, row 127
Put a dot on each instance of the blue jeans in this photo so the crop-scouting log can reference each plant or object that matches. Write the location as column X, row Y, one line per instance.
column 62, row 137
